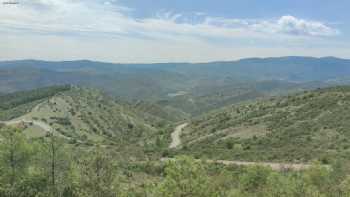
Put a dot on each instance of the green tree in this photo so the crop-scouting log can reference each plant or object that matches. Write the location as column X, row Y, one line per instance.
column 318, row 177
column 15, row 155
column 344, row 187
column 55, row 163
column 98, row 175
column 280, row 185
column 184, row 177
column 254, row 179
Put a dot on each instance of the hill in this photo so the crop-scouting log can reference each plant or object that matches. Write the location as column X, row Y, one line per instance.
column 157, row 113
column 84, row 117
column 19, row 103
column 298, row 128
column 103, row 146
column 192, row 88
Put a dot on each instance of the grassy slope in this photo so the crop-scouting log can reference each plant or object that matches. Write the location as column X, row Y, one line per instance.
column 301, row 127
column 157, row 113
column 86, row 117
column 19, row 103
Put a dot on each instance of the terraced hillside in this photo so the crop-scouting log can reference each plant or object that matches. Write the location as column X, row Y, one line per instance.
column 298, row 128
column 19, row 103
column 86, row 117
column 157, row 113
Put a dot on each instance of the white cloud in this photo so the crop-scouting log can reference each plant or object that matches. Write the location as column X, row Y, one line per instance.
column 69, row 23
column 107, row 17
column 295, row 26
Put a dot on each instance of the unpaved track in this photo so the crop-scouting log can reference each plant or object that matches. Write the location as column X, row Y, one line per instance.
column 175, row 136
column 23, row 119
column 273, row 166
column 46, row 127
column 176, row 142
column 42, row 125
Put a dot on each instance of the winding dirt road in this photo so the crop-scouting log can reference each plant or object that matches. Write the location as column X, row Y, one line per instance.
column 176, row 142
column 175, row 136
column 273, row 166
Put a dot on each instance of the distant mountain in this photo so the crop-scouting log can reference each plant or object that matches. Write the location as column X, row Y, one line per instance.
column 128, row 82
column 232, row 81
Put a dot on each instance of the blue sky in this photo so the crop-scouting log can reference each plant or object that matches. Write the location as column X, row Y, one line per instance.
column 172, row 31
column 319, row 9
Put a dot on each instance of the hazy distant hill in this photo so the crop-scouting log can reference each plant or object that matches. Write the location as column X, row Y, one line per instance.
column 202, row 86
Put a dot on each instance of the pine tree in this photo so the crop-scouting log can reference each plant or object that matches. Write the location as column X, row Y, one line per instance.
column 15, row 154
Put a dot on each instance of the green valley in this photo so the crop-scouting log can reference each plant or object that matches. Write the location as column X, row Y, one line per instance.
column 220, row 137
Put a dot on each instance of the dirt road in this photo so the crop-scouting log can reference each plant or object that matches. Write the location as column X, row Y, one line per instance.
column 42, row 125
column 176, row 142
column 175, row 136
column 273, row 166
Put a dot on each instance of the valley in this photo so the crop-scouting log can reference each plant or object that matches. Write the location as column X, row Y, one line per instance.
column 174, row 98
column 274, row 125
column 220, row 131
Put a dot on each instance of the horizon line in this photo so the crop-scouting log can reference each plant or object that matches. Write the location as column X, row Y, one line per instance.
column 179, row 62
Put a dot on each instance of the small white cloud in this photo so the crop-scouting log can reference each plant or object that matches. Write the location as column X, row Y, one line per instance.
column 294, row 26
column 285, row 25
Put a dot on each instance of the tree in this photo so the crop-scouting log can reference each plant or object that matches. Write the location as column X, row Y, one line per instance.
column 184, row 177
column 55, row 163
column 319, row 177
column 255, row 179
column 15, row 154
column 280, row 185
column 98, row 178
column 344, row 187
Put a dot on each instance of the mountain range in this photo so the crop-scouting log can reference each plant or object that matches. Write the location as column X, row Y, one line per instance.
column 192, row 88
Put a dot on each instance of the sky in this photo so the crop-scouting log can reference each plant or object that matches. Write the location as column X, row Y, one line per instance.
column 149, row 31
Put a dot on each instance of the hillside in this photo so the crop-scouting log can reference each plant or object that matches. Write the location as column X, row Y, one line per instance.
column 19, row 103
column 124, row 146
column 299, row 128
column 84, row 117
column 205, row 99
column 157, row 113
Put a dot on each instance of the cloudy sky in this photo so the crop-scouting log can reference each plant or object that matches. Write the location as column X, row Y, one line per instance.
column 172, row 30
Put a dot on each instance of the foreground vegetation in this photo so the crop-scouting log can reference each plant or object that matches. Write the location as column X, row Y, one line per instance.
column 50, row 167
